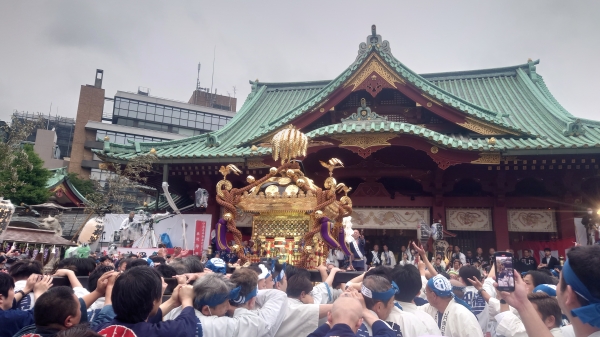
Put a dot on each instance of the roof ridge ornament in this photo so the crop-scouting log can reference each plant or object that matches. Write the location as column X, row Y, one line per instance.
column 374, row 40
column 574, row 128
column 364, row 113
column 531, row 71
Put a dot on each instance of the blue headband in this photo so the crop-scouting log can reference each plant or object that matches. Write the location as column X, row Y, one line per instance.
column 442, row 288
column 216, row 265
column 241, row 299
column 380, row 296
column 549, row 289
column 281, row 274
column 217, row 299
column 589, row 314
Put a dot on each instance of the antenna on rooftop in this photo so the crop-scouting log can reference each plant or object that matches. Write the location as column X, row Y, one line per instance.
column 197, row 84
column 198, row 78
column 212, row 96
column 213, row 70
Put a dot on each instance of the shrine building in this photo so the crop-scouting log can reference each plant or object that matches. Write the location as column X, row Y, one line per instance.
column 490, row 152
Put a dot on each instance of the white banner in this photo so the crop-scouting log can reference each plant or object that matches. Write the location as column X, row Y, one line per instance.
column 531, row 220
column 580, row 232
column 469, row 219
column 171, row 226
column 389, row 218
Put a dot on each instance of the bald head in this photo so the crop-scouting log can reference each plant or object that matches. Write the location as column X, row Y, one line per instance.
column 346, row 306
column 346, row 310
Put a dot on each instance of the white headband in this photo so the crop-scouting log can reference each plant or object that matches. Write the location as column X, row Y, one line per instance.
column 265, row 272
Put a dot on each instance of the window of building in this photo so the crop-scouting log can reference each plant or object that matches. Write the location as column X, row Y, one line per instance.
column 161, row 118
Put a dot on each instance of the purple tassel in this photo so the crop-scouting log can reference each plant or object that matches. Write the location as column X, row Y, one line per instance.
column 331, row 242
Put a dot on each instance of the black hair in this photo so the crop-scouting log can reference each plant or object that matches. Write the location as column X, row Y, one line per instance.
column 291, row 271
column 136, row 263
column 180, row 268
column 547, row 306
column 193, row 265
column 104, row 258
column 166, row 270
column 95, row 276
column 81, row 266
column 127, row 261
column 254, row 267
column 469, row 272
column 54, row 306
column 380, row 271
column 297, row 284
column 157, row 259
column 134, row 294
column 540, row 277
column 22, row 269
column 6, row 283
column 245, row 278
column 80, row 330
column 584, row 261
column 408, row 279
column 547, row 249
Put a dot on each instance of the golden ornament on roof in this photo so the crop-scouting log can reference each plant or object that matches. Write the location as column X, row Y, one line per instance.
column 106, row 138
column 153, row 150
column 491, row 141
column 254, row 148
column 288, row 144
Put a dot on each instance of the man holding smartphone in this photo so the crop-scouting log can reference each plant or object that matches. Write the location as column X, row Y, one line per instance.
column 578, row 295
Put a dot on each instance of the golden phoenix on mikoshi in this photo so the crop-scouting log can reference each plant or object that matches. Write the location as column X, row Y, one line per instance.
column 286, row 193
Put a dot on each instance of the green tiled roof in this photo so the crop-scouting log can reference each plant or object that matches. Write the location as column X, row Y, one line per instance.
column 515, row 98
column 58, row 176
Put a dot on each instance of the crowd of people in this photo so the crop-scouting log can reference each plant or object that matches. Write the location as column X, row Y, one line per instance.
column 126, row 297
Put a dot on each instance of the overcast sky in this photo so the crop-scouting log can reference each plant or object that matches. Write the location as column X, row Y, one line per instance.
column 50, row 48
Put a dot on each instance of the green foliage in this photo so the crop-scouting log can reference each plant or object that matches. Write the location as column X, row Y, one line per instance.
column 32, row 175
column 84, row 186
column 12, row 153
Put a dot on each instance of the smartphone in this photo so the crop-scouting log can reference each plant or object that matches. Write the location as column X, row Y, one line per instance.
column 505, row 272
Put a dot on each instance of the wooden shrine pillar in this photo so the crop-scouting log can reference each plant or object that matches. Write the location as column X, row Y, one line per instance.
column 500, row 223
column 565, row 218
column 500, row 214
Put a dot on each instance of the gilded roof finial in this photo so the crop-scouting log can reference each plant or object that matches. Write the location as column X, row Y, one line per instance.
column 289, row 143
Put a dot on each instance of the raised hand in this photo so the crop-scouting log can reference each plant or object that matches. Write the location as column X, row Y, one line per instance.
column 186, row 295
column 31, row 281
column 104, row 280
column 419, row 249
column 476, row 283
column 42, row 285
column 518, row 297
column 63, row 272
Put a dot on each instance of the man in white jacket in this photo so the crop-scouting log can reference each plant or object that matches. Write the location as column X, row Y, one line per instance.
column 453, row 316
column 409, row 279
column 213, row 295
